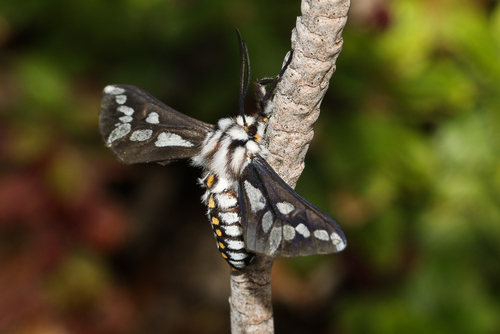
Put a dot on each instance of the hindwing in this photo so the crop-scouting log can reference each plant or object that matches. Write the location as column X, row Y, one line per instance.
column 139, row 128
column 278, row 222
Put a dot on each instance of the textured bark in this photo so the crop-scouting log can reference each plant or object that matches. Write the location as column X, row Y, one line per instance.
column 250, row 301
column 317, row 42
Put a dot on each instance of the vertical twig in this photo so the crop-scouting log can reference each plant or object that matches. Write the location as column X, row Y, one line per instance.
column 317, row 42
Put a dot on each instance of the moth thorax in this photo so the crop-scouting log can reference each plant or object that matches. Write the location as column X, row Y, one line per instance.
column 228, row 150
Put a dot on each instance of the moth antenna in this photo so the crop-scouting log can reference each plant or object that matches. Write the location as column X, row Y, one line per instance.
column 244, row 74
column 278, row 78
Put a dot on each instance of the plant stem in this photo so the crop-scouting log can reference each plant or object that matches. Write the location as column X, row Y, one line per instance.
column 317, row 42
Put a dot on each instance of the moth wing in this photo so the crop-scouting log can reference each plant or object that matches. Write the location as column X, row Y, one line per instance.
column 278, row 222
column 139, row 128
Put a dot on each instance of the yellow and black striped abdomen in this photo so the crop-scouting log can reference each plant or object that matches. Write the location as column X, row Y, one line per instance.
column 223, row 213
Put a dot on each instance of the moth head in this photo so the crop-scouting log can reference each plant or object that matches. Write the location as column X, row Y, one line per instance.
column 253, row 127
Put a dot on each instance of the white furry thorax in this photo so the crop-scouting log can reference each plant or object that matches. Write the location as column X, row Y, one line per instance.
column 230, row 147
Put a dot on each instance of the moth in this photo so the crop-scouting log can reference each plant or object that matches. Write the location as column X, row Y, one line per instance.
column 251, row 209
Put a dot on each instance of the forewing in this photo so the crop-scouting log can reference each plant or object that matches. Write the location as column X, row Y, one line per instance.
column 277, row 221
column 139, row 128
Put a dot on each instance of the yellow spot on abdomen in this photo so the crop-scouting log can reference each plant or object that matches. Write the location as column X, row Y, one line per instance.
column 211, row 203
column 219, row 233
column 210, row 181
column 215, row 221
column 223, row 255
column 257, row 138
column 221, row 245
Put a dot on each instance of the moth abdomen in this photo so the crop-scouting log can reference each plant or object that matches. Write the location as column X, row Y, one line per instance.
column 223, row 212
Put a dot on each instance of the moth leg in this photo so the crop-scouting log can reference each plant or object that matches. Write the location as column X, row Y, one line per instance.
column 263, row 96
column 260, row 89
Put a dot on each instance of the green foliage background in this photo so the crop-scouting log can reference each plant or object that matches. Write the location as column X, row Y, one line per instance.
column 406, row 158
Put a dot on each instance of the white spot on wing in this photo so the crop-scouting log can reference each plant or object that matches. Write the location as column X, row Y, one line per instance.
column 257, row 201
column 171, row 139
column 302, row 229
column 121, row 99
column 274, row 239
column 126, row 119
column 321, row 235
column 119, row 132
column 141, row 135
column 285, row 207
column 289, row 232
column 267, row 221
column 113, row 90
column 153, row 118
column 126, row 110
column 337, row 241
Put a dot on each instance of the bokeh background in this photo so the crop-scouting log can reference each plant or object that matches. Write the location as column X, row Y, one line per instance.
column 406, row 158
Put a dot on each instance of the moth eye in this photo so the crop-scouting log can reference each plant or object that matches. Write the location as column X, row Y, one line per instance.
column 252, row 130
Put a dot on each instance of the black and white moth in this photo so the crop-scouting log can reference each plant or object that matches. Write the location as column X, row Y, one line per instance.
column 251, row 209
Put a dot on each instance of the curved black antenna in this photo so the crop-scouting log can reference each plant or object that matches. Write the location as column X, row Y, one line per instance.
column 244, row 73
column 263, row 95
column 278, row 78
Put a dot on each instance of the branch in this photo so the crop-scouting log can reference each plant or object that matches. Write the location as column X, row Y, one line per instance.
column 317, row 42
